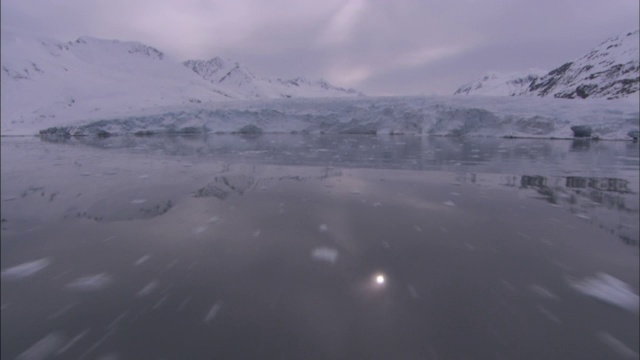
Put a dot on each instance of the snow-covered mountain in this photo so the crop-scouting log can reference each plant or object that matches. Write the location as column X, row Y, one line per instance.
column 46, row 81
column 611, row 70
column 239, row 80
column 501, row 84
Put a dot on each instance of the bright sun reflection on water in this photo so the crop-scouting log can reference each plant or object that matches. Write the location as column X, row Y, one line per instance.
column 380, row 279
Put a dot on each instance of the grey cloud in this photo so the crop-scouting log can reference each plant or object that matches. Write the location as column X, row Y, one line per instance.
column 378, row 46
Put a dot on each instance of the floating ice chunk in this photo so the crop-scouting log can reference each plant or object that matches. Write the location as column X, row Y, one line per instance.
column 184, row 303
column 455, row 194
column 543, row 292
column 417, row 228
column 413, row 292
column 608, row 289
column 61, row 311
column 212, row 312
column 142, row 260
column 138, row 201
column 617, row 346
column 145, row 176
column 449, row 203
column 25, row 270
column 323, row 228
column 325, row 254
column 213, row 219
column 72, row 342
column 147, row 289
column 199, row 229
column 376, row 204
column 43, row 349
column 256, row 233
column 158, row 304
column 583, row 216
column 111, row 356
column 91, row 282
column 548, row 314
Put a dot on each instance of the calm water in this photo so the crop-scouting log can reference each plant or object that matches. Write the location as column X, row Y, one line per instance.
column 319, row 247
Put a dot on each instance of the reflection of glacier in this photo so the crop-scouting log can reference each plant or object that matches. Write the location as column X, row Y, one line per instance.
column 604, row 184
column 587, row 197
column 598, row 182
column 221, row 185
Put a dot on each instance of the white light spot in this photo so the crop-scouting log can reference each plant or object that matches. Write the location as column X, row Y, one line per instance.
column 380, row 279
column 138, row 201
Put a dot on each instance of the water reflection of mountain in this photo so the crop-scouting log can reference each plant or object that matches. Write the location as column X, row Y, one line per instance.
column 587, row 196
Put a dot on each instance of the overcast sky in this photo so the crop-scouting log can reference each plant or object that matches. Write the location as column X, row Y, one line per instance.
column 382, row 47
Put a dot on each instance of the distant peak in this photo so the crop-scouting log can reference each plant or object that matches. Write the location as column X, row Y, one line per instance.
column 132, row 47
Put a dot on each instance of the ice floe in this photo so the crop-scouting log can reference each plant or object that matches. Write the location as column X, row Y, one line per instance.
column 142, row 260
column 212, row 312
column 25, row 270
column 43, row 349
column 548, row 314
column 73, row 341
column 608, row 289
column 325, row 254
column 323, row 228
column 93, row 282
column 147, row 289
column 199, row 229
column 617, row 346
column 543, row 292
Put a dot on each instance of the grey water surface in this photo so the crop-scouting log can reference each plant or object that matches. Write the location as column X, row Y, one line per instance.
column 319, row 247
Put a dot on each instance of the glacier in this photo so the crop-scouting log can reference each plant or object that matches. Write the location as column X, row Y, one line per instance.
column 102, row 87
column 518, row 117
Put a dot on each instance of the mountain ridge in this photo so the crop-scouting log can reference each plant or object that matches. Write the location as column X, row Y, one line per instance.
column 45, row 79
column 610, row 70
